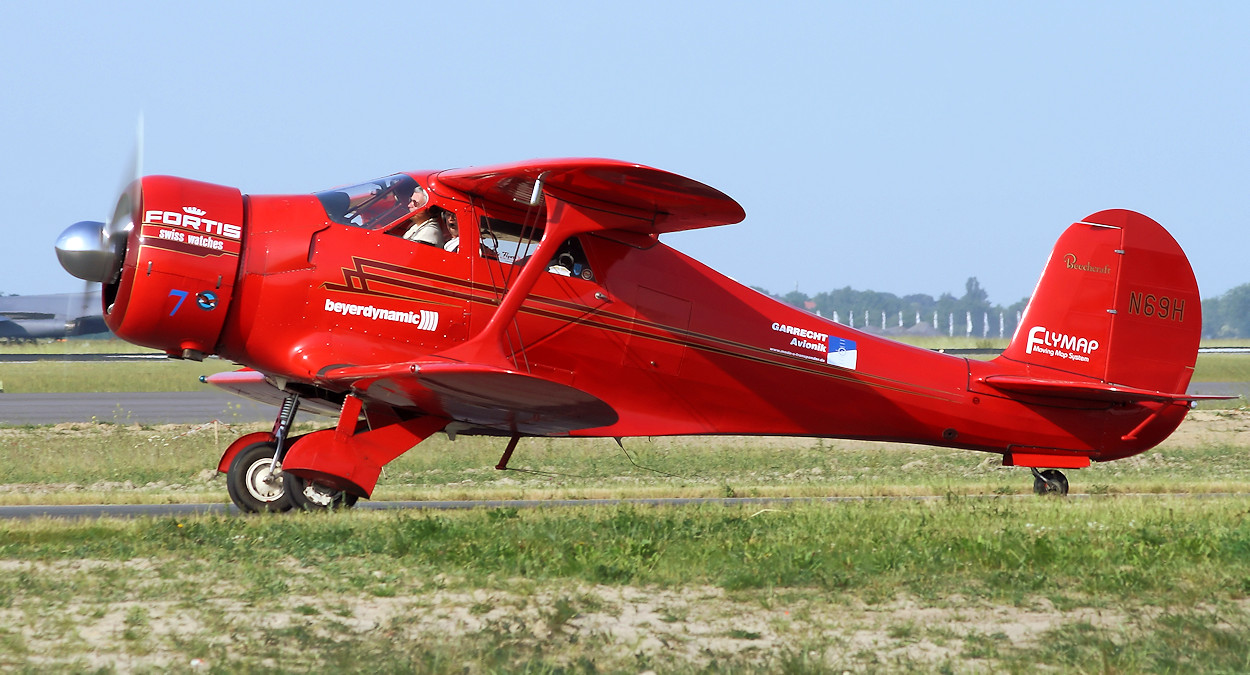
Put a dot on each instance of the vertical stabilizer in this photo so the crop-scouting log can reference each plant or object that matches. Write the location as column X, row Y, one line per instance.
column 1118, row 303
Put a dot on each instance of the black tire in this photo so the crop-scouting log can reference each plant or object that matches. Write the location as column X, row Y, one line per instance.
column 1052, row 482
column 245, row 481
column 308, row 496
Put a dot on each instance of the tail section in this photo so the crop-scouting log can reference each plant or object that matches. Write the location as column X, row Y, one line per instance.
column 1116, row 315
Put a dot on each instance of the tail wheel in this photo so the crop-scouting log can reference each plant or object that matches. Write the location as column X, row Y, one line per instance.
column 1050, row 482
column 309, row 496
column 255, row 484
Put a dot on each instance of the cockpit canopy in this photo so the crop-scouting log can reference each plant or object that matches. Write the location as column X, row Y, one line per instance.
column 375, row 204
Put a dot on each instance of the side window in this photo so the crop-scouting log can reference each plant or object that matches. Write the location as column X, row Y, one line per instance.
column 507, row 242
column 513, row 244
column 570, row 261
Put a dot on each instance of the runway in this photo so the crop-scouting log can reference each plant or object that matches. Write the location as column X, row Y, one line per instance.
column 212, row 404
column 134, row 408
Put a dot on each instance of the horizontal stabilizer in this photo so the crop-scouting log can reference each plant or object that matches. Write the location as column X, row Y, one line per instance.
column 1087, row 390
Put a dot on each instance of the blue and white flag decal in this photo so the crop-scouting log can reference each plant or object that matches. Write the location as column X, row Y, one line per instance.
column 841, row 353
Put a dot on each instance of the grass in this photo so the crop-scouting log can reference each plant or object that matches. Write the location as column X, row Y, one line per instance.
column 114, row 463
column 76, row 346
column 946, row 342
column 1117, row 583
column 1222, row 368
column 43, row 377
column 1078, row 552
column 1122, row 584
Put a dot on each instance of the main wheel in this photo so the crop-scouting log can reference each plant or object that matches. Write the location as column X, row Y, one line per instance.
column 310, row 496
column 252, row 482
column 1051, row 482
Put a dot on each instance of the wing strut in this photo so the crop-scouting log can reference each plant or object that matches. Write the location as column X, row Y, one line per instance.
column 564, row 220
column 507, row 453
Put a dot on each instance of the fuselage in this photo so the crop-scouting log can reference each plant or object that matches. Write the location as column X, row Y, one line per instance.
column 671, row 345
column 537, row 299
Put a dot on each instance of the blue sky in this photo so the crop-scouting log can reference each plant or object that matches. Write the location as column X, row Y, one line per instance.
column 898, row 147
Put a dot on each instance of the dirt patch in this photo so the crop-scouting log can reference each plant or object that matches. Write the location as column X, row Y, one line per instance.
column 1212, row 427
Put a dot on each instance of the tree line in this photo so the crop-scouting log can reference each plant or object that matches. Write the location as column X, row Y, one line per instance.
column 1227, row 315
column 1223, row 316
column 970, row 314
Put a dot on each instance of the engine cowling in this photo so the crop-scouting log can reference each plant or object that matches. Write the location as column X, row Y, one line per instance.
column 179, row 268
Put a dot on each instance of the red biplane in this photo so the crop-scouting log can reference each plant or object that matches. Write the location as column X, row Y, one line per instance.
column 536, row 299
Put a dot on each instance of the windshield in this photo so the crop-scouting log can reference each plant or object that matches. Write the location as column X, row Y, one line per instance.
column 375, row 204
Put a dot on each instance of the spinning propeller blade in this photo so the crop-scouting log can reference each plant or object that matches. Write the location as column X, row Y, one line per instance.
column 94, row 251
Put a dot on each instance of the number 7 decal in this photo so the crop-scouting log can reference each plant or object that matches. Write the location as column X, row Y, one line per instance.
column 181, row 295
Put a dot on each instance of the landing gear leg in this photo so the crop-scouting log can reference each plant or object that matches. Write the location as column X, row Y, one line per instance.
column 1050, row 482
column 255, row 480
column 282, row 427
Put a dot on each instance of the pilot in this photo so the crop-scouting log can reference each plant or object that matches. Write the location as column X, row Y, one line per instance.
column 406, row 198
column 428, row 227
column 411, row 196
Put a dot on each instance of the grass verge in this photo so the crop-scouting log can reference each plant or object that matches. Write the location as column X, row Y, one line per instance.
column 1112, row 583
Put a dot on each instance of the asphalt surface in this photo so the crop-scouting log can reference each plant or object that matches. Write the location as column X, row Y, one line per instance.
column 211, row 404
column 1220, row 388
column 94, row 511
column 133, row 408
column 103, row 357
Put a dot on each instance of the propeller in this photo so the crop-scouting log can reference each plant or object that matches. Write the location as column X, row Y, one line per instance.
column 82, row 320
column 94, row 251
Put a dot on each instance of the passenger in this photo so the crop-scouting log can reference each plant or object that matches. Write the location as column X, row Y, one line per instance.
column 453, row 234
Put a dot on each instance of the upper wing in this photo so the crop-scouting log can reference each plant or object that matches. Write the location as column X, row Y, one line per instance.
column 480, row 389
column 662, row 201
